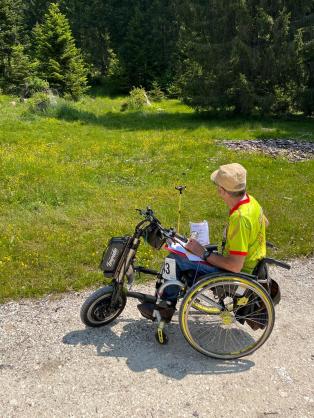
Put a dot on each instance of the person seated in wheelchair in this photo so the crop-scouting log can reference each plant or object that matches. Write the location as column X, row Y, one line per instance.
column 244, row 242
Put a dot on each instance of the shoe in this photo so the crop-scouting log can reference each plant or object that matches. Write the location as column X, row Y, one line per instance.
column 147, row 309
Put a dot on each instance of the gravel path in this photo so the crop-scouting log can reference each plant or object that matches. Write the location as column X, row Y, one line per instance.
column 51, row 366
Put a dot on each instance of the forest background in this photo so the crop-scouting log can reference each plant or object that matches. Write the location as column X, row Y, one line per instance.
column 245, row 56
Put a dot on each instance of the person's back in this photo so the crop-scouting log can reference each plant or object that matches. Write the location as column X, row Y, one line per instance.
column 246, row 233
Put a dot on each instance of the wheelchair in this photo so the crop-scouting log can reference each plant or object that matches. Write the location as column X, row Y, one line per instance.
column 223, row 315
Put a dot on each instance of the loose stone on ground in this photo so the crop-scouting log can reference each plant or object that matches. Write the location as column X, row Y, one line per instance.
column 292, row 149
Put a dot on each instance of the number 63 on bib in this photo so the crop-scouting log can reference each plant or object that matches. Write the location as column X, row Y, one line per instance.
column 169, row 269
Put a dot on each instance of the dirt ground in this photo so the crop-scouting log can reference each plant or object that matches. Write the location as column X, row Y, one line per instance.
column 51, row 366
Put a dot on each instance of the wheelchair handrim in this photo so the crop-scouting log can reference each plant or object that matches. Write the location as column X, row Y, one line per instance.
column 211, row 282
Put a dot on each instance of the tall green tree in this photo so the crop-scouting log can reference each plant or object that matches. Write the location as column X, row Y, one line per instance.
column 10, row 32
column 264, row 60
column 149, row 47
column 98, row 27
column 239, row 54
column 161, row 40
column 20, row 68
column 303, row 24
column 34, row 12
column 141, row 34
column 134, row 53
column 307, row 96
column 60, row 62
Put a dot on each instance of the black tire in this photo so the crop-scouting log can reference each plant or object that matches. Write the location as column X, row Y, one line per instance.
column 243, row 324
column 96, row 310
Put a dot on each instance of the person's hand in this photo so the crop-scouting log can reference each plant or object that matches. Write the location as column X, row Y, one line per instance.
column 195, row 247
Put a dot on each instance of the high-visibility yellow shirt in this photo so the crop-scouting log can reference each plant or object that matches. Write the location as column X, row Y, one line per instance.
column 245, row 233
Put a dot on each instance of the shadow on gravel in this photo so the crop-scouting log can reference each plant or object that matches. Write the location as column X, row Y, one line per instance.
column 136, row 344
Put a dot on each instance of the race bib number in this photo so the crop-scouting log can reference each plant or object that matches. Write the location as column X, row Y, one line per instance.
column 169, row 269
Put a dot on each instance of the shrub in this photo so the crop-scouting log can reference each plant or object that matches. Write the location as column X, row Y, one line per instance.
column 41, row 101
column 174, row 91
column 283, row 99
column 156, row 94
column 34, row 84
column 137, row 100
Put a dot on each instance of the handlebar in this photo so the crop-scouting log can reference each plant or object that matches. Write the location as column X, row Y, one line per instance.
column 181, row 237
column 277, row 263
column 170, row 233
column 148, row 214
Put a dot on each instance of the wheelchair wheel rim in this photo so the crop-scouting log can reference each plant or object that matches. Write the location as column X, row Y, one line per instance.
column 229, row 334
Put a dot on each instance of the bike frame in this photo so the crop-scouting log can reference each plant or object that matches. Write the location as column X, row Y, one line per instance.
column 126, row 268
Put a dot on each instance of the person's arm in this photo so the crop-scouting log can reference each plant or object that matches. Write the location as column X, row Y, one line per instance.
column 230, row 262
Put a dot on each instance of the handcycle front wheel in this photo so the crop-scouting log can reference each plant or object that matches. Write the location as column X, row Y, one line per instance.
column 97, row 310
column 226, row 316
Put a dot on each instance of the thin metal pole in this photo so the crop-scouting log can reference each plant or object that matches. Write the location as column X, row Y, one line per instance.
column 180, row 189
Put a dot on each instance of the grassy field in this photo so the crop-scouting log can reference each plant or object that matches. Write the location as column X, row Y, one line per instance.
column 72, row 177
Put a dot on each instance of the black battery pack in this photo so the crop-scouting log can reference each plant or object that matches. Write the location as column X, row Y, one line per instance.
column 112, row 255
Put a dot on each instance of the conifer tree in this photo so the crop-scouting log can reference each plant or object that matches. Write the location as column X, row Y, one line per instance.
column 140, row 36
column 90, row 22
column 303, row 24
column 307, row 96
column 134, row 54
column 240, row 55
column 10, row 28
column 149, row 46
column 60, row 62
column 19, row 69
column 34, row 12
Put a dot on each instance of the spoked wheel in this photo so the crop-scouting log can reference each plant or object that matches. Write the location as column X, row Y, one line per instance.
column 97, row 311
column 226, row 316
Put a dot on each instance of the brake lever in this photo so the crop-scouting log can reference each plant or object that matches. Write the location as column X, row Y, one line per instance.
column 181, row 237
column 142, row 212
column 176, row 237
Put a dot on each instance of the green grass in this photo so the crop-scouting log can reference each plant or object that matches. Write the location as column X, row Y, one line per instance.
column 72, row 177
